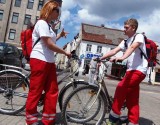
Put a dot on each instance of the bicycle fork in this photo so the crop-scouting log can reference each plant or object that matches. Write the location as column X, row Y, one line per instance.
column 85, row 107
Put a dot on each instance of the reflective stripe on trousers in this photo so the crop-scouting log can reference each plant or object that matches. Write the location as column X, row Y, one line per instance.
column 43, row 78
column 128, row 89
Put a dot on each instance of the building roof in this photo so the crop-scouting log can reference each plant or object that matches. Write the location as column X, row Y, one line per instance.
column 101, row 34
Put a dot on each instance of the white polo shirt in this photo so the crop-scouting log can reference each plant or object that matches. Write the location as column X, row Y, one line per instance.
column 40, row 50
column 135, row 61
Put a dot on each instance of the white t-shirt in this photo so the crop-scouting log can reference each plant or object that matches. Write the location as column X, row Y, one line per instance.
column 40, row 50
column 136, row 61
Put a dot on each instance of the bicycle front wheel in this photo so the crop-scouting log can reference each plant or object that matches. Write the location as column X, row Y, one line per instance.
column 66, row 90
column 13, row 92
column 83, row 105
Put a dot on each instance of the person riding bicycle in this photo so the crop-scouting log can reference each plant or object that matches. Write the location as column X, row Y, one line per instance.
column 128, row 88
column 43, row 69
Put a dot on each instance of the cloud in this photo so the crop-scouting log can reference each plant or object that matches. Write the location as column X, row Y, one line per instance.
column 66, row 5
column 112, row 13
column 65, row 16
column 113, row 9
column 85, row 17
column 150, row 25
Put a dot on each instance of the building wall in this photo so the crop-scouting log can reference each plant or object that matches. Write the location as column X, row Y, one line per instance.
column 105, row 48
column 9, row 7
column 3, row 23
column 83, row 53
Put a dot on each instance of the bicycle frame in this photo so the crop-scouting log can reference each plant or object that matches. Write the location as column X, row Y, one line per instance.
column 102, row 86
column 105, row 88
column 26, row 74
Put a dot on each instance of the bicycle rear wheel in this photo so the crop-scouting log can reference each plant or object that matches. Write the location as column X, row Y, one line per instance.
column 66, row 90
column 83, row 105
column 14, row 89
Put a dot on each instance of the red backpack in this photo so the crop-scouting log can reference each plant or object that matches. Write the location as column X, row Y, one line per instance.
column 26, row 42
column 151, row 49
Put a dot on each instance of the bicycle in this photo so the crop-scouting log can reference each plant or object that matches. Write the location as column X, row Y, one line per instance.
column 91, row 99
column 14, row 87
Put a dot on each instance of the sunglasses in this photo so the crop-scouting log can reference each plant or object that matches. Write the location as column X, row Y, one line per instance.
column 57, row 10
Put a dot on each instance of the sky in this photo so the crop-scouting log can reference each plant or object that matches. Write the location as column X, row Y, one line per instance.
column 111, row 13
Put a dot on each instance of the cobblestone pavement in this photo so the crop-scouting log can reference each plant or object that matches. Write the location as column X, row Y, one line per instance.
column 149, row 102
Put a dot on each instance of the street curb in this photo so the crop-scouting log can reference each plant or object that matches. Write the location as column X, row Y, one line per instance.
column 119, row 79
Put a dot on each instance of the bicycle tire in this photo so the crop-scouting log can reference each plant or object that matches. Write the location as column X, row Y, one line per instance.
column 14, row 89
column 66, row 90
column 101, row 104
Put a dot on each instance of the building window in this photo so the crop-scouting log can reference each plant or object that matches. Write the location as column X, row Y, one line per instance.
column 40, row 5
column 157, row 77
column 99, row 49
column 15, row 17
column 88, row 47
column 3, row 1
column 17, row 3
column 12, row 34
column 1, row 14
column 27, row 19
column 30, row 4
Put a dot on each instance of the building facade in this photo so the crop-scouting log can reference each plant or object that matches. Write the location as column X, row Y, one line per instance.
column 15, row 16
column 94, row 41
column 98, row 40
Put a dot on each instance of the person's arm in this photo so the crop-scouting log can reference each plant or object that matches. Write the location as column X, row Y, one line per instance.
column 128, row 52
column 111, row 53
column 51, row 45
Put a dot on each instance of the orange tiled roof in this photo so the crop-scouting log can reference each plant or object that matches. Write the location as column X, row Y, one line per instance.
column 102, row 34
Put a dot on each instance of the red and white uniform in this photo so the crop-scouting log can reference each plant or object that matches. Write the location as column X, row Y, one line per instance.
column 128, row 88
column 43, row 77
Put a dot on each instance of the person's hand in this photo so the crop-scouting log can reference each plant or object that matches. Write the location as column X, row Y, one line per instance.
column 116, row 59
column 63, row 33
column 101, row 58
column 68, row 54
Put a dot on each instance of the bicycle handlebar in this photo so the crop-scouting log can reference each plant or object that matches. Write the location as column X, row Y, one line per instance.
column 98, row 60
column 106, row 60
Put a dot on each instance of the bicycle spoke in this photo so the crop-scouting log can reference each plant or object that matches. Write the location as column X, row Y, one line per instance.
column 83, row 106
column 14, row 94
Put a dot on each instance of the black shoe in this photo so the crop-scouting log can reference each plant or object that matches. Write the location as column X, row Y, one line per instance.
column 123, row 119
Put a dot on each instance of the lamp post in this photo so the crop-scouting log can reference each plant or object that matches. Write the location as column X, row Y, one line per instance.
column 149, row 81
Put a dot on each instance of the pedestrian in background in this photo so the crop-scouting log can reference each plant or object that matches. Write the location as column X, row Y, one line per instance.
column 128, row 88
column 92, row 71
column 43, row 69
column 86, row 69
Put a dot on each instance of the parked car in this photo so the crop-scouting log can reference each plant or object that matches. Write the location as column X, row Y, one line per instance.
column 10, row 55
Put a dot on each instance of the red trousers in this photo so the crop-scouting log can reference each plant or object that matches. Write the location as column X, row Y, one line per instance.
column 128, row 89
column 43, row 78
